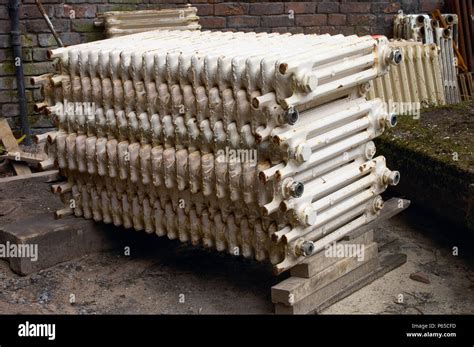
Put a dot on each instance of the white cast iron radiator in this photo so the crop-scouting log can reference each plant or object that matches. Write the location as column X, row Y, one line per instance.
column 415, row 83
column 255, row 144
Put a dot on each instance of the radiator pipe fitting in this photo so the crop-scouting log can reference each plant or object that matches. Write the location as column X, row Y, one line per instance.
column 291, row 116
column 377, row 204
column 395, row 57
column 293, row 188
column 390, row 120
column 306, row 249
column 391, row 177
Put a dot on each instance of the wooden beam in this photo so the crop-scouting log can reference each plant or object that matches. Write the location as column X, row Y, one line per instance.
column 387, row 263
column 32, row 158
column 6, row 136
column 295, row 289
column 52, row 175
column 320, row 261
column 315, row 299
column 9, row 141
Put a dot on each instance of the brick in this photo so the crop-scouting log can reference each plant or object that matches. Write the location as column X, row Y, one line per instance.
column 7, row 69
column 328, row 7
column 29, row 95
column 280, row 30
column 8, row 96
column 4, row 41
column 5, row 26
column 44, row 1
column 27, row 54
column 385, row 21
column 40, row 121
column 231, row 9
column 115, row 7
column 76, row 11
column 300, row 7
column 363, row 30
column 10, row 110
column 204, row 9
column 37, row 94
column 355, row 7
column 431, row 5
column 277, row 21
column 7, row 83
column 243, row 21
column 46, row 40
column 347, row 30
column 312, row 30
column 125, row 1
column 337, row 19
column 32, row 12
column 68, row 39
column 212, row 22
column 92, row 36
column 83, row 25
column 265, row 9
column 5, row 54
column 40, row 26
column 307, row 20
column 329, row 29
column 29, row 40
column 4, row 12
column 33, row 69
column 386, row 7
column 362, row 19
column 410, row 6
column 296, row 30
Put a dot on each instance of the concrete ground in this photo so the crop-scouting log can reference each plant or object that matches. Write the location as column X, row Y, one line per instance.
column 162, row 276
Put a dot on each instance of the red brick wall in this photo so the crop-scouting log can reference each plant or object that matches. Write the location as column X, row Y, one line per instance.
column 322, row 16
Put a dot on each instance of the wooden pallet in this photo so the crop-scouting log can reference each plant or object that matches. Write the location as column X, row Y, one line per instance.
column 324, row 279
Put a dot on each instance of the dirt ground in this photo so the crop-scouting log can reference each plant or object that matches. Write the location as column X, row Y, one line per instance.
column 163, row 276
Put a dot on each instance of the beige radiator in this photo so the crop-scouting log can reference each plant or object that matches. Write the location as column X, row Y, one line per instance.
column 424, row 29
column 119, row 23
column 259, row 145
column 413, row 84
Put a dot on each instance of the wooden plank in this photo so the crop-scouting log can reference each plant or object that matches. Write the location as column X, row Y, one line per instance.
column 388, row 262
column 312, row 301
column 320, row 261
column 294, row 289
column 51, row 175
column 9, row 141
column 6, row 136
column 21, row 169
column 344, row 286
column 32, row 158
column 57, row 240
column 391, row 208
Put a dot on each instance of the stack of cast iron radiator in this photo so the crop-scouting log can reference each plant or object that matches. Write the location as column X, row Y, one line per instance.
column 423, row 28
column 119, row 23
column 255, row 144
